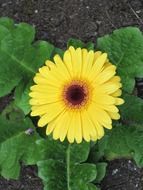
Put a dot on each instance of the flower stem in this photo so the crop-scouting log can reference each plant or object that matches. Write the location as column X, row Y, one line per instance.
column 68, row 167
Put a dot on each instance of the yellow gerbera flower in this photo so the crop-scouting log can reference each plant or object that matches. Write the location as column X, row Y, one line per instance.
column 77, row 95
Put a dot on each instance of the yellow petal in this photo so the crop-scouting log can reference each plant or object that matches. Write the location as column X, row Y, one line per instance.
column 105, row 75
column 52, row 114
column 115, row 79
column 87, row 66
column 59, row 122
column 114, row 116
column 117, row 93
column 44, row 71
column 55, row 81
column 44, row 88
column 40, row 80
column 110, row 108
column 98, row 114
column 93, row 138
column 40, row 95
column 39, row 102
column 53, row 75
column 78, row 64
column 84, row 56
column 103, row 99
column 96, row 55
column 40, row 98
column 73, row 58
column 50, row 128
column 78, row 128
column 94, row 119
column 88, row 127
column 98, row 66
column 107, row 64
column 99, row 128
column 40, row 109
column 109, row 87
column 119, row 101
column 71, row 130
column 68, row 62
column 61, row 67
column 66, row 123
column 76, row 59
column 50, row 64
column 107, row 125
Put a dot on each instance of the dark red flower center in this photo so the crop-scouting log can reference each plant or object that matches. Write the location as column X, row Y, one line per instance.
column 75, row 94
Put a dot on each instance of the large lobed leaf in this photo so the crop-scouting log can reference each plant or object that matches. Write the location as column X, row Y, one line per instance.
column 20, row 58
column 64, row 167
column 125, row 50
column 132, row 110
column 123, row 141
column 22, row 96
column 17, row 144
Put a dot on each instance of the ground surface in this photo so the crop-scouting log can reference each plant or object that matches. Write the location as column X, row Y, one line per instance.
column 56, row 21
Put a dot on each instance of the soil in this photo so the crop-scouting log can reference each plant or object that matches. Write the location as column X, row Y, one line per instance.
column 56, row 21
column 123, row 175
column 28, row 181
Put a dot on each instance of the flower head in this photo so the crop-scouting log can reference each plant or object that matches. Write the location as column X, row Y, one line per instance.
column 77, row 96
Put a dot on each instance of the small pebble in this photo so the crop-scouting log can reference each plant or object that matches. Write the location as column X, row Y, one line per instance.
column 4, row 4
column 114, row 171
column 36, row 11
column 138, row 11
column 98, row 22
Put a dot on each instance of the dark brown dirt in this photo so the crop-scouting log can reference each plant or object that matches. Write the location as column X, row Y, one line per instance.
column 123, row 175
column 56, row 21
column 28, row 181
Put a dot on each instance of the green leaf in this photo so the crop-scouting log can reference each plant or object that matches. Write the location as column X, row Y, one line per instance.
column 75, row 43
column 90, row 46
column 123, row 141
column 7, row 22
column 78, row 43
column 58, row 51
column 12, row 113
column 125, row 50
column 20, row 58
column 65, row 163
column 17, row 144
column 93, row 187
column 101, row 171
column 132, row 110
column 22, row 96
